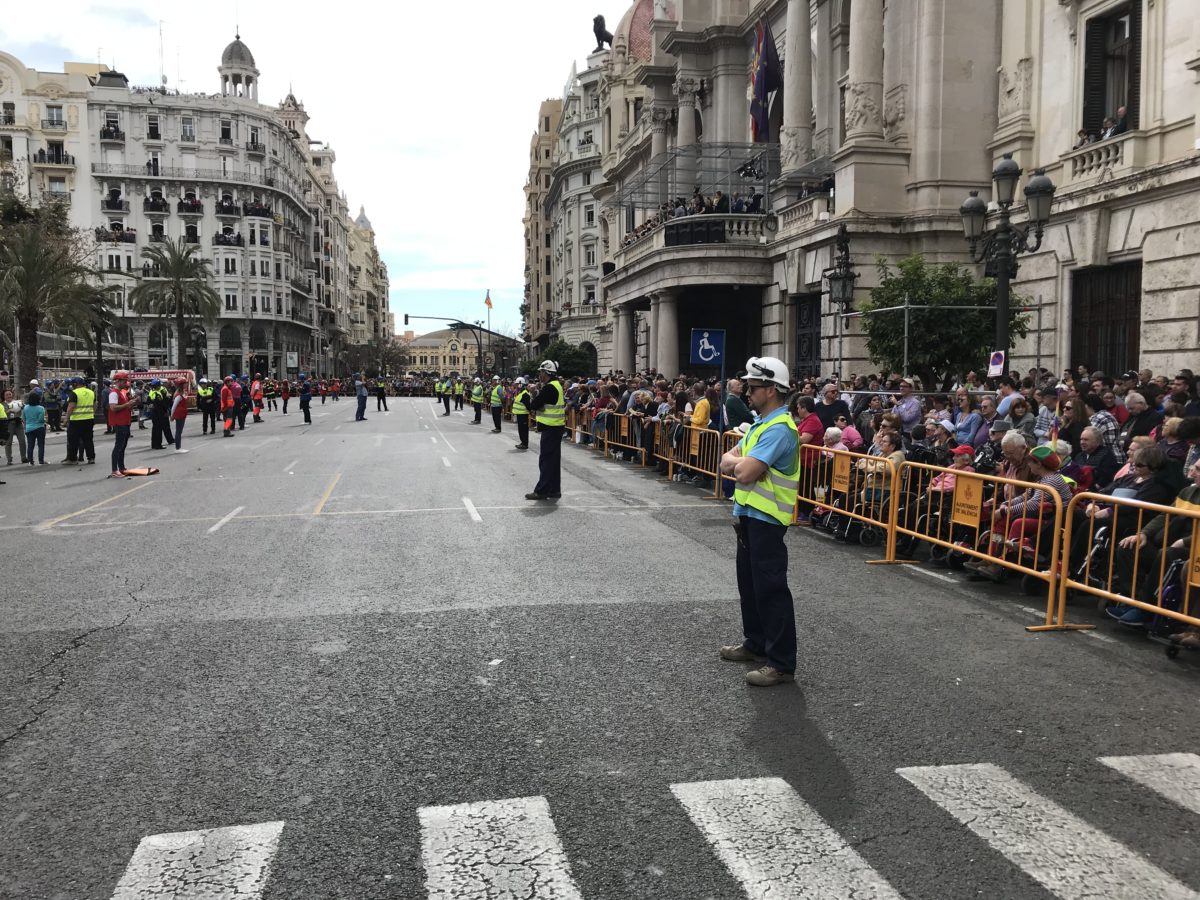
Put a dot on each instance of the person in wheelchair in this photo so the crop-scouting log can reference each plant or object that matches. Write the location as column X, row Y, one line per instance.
column 878, row 475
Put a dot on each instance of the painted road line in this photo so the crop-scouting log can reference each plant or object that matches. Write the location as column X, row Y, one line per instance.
column 291, row 465
column 216, row 862
column 1065, row 854
column 445, row 462
column 426, row 427
column 803, row 857
column 337, row 427
column 318, row 442
column 379, row 440
column 471, row 510
column 1174, row 775
column 442, row 435
column 940, row 576
column 494, row 848
column 325, row 497
column 433, row 439
column 50, row 523
column 217, row 527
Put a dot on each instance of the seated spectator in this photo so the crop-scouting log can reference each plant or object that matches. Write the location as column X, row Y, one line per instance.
column 1047, row 415
column 988, row 456
column 1021, row 419
column 1142, row 418
column 1172, row 444
column 942, row 484
column 877, row 482
column 965, row 418
column 988, row 415
column 833, row 441
column 851, row 436
column 1096, row 457
column 942, row 443
column 831, row 405
column 1104, row 421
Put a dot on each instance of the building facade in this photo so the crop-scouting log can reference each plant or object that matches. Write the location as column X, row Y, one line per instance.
column 463, row 352
column 889, row 113
column 538, row 312
column 369, row 316
column 240, row 179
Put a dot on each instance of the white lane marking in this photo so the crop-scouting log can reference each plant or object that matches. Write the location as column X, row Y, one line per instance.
column 319, row 442
column 215, row 862
column 379, row 440
column 442, row 435
column 426, row 427
column 940, row 576
column 494, row 848
column 291, row 465
column 1095, row 635
column 471, row 510
column 432, row 439
column 1061, row 851
column 222, row 522
column 803, row 857
column 1174, row 775
column 445, row 462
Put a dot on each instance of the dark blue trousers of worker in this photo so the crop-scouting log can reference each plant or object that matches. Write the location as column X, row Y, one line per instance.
column 361, row 412
column 550, row 461
column 768, row 615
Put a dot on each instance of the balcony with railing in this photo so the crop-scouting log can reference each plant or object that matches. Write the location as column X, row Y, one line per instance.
column 51, row 160
column 154, row 135
column 112, row 236
column 156, row 206
column 258, row 210
column 54, row 125
column 228, row 240
column 1105, row 160
column 225, row 141
column 8, row 119
column 227, row 210
column 253, row 148
column 187, row 207
column 114, row 206
column 187, row 137
column 112, row 136
column 157, row 237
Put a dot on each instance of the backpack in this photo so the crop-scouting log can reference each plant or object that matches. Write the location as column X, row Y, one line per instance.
column 1170, row 596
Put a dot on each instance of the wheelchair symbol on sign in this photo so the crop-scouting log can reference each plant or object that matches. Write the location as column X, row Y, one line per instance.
column 706, row 351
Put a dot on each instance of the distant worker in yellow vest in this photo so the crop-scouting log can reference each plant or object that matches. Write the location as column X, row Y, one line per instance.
column 766, row 469
column 477, row 400
column 460, row 388
column 447, row 392
column 520, row 411
column 550, row 411
column 496, row 401
column 81, row 417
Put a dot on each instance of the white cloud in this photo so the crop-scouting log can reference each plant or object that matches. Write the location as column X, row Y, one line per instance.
column 430, row 110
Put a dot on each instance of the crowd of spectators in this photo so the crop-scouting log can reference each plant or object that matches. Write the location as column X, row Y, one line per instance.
column 700, row 204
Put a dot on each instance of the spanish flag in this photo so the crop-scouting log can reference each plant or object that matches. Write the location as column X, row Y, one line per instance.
column 487, row 301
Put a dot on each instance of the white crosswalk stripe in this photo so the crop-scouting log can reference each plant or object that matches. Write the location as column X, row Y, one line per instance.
column 494, row 849
column 775, row 844
column 215, row 863
column 1058, row 849
column 1175, row 776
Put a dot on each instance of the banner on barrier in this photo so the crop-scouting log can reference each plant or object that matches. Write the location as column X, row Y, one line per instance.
column 1194, row 563
column 694, row 442
column 841, row 474
column 968, row 501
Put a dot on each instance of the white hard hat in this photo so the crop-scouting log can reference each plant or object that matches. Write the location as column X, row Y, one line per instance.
column 33, row 382
column 521, row 379
column 549, row 366
column 204, row 381
column 478, row 381
column 495, row 378
column 769, row 369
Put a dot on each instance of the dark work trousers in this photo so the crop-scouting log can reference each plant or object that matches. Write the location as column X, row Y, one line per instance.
column 286, row 398
column 497, row 415
column 307, row 415
column 446, row 403
column 550, row 460
column 161, row 433
column 242, row 409
column 523, row 427
column 768, row 615
column 120, row 442
column 209, row 419
column 81, row 446
column 458, row 401
column 380, row 401
column 478, row 412
column 361, row 411
column 54, row 416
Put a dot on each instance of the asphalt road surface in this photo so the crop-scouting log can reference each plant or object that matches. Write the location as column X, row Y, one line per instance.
column 350, row 661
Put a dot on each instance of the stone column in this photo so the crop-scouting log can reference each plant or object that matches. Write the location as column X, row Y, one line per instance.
column 652, row 339
column 685, row 135
column 141, row 346
column 660, row 117
column 621, row 339
column 796, row 138
column 864, row 88
column 666, row 334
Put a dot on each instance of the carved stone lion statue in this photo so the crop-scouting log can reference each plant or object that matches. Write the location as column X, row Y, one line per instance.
column 602, row 36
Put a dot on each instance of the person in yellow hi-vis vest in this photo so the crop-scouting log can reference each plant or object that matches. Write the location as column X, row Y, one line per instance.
column 477, row 400
column 521, row 413
column 460, row 388
column 496, row 400
column 766, row 469
column 550, row 411
column 81, row 418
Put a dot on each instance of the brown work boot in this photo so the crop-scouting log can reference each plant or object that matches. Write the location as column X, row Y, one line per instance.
column 768, row 676
column 739, row 653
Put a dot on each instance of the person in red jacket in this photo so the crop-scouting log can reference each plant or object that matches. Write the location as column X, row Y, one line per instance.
column 285, row 391
column 179, row 412
column 228, row 405
column 120, row 418
column 256, row 395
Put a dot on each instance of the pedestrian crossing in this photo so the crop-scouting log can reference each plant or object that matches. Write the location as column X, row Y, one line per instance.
column 771, row 841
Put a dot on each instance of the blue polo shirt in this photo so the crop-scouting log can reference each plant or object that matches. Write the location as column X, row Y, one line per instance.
column 779, row 448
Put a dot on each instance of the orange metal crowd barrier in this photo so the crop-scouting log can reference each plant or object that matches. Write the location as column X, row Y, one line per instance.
column 854, row 487
column 624, row 432
column 1096, row 563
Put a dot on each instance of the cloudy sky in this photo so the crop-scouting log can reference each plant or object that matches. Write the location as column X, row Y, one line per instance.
column 430, row 111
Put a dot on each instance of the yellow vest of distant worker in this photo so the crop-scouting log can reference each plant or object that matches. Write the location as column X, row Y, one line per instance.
column 477, row 394
column 553, row 415
column 497, row 396
column 775, row 494
column 85, row 405
column 519, row 403
column 458, row 389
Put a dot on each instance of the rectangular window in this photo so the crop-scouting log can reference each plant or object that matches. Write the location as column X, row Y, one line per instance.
column 54, row 115
column 1112, row 71
column 278, row 304
column 254, row 135
column 589, row 215
column 114, row 262
column 226, row 131
column 230, row 265
column 152, row 132
column 278, row 272
column 129, row 262
column 547, row 240
column 253, row 267
column 187, row 128
column 546, row 181
column 58, row 186
column 231, row 302
column 589, row 293
column 253, row 303
column 112, row 121
column 587, row 178
column 589, row 256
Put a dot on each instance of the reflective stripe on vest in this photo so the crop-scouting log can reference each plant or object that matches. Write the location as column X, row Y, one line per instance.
column 205, row 392
column 776, row 494
column 497, row 396
column 554, row 414
column 477, row 394
column 85, row 405
column 519, row 403
column 458, row 390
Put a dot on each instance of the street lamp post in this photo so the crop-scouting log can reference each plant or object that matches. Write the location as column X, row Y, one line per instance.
column 1001, row 246
column 842, row 278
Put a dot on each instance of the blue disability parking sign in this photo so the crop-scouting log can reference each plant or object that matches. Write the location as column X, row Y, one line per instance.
column 708, row 346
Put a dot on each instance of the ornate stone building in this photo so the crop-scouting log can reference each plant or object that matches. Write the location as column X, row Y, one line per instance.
column 369, row 316
column 539, row 299
column 464, row 352
column 889, row 113
column 240, row 179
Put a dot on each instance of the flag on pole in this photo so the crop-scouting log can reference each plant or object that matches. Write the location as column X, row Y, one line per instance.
column 766, row 76
column 487, row 301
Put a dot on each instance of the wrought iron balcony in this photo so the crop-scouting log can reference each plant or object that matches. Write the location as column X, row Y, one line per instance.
column 156, row 205
column 114, row 206
column 158, row 238
column 226, row 141
column 8, row 118
column 153, row 134
column 257, row 209
column 190, row 207
column 228, row 210
column 187, row 137
column 59, row 160
column 256, row 149
column 112, row 136
column 127, row 236
column 54, row 125
column 228, row 240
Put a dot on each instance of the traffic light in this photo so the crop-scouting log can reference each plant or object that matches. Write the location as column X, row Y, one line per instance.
column 406, row 318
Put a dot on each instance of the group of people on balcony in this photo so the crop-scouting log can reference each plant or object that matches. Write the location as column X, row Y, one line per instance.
column 699, row 205
column 1111, row 127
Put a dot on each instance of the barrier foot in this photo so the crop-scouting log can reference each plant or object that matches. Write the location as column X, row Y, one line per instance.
column 1066, row 626
column 892, row 562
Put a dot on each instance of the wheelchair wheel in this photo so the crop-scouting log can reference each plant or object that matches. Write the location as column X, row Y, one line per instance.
column 1031, row 585
column 869, row 537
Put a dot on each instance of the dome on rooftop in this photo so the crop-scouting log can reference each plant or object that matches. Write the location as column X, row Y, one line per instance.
column 635, row 27
column 237, row 54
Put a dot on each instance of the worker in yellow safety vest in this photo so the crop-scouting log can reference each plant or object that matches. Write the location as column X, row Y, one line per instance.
column 496, row 401
column 550, row 412
column 81, row 417
column 521, row 413
column 477, row 400
column 460, row 388
column 765, row 467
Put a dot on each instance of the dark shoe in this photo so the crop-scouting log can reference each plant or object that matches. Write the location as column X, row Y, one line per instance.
column 91, row 462
column 68, row 462
column 536, row 496
column 495, row 431
column 739, row 653
column 554, row 496
column 768, row 676
column 521, row 446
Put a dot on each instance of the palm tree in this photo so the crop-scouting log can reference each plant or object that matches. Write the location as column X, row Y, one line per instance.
column 42, row 282
column 180, row 290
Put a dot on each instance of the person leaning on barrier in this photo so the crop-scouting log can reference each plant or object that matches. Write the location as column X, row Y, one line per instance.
column 765, row 466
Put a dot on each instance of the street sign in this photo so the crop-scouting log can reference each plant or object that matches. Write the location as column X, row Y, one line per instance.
column 708, row 347
column 996, row 364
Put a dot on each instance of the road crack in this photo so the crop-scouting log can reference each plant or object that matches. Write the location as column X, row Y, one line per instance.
column 56, row 667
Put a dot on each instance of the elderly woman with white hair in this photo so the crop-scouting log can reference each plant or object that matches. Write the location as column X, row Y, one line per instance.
column 1142, row 419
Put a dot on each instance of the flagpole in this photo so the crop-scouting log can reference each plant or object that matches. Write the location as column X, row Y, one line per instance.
column 489, row 306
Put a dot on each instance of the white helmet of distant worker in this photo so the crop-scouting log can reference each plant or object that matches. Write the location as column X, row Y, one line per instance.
column 549, row 366
column 769, row 369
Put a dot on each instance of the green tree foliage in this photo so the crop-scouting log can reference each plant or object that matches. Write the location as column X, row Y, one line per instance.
column 572, row 360
column 943, row 344
column 180, row 290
